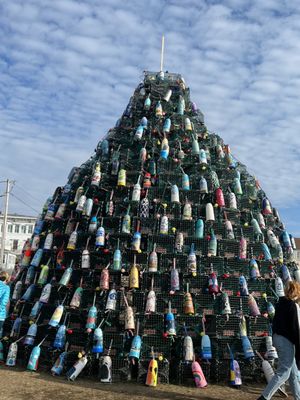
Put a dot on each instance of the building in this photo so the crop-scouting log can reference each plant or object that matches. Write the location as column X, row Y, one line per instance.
column 19, row 229
column 297, row 251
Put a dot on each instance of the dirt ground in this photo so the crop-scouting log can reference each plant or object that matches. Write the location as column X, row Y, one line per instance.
column 24, row 385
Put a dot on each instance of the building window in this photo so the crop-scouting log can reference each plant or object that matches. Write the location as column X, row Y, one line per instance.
column 30, row 228
column 17, row 228
column 23, row 228
column 15, row 244
column 9, row 228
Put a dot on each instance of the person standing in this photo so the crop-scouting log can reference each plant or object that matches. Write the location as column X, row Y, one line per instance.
column 4, row 298
column 286, row 339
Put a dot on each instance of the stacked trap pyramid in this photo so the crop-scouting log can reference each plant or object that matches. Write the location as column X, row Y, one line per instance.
column 160, row 246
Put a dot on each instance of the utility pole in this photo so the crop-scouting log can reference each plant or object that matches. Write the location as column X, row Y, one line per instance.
column 4, row 225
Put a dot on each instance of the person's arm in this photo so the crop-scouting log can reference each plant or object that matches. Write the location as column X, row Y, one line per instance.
column 297, row 343
column 5, row 298
column 7, row 307
column 295, row 326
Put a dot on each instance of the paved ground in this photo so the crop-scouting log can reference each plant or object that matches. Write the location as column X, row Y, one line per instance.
column 23, row 385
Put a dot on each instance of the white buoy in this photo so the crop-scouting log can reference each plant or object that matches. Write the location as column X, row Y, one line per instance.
column 209, row 212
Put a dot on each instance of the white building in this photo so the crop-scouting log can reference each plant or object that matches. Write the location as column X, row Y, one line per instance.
column 19, row 229
column 297, row 251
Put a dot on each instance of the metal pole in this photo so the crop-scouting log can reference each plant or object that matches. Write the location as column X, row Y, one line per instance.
column 162, row 53
column 4, row 225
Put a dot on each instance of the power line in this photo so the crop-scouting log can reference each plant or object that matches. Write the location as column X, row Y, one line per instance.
column 25, row 191
column 23, row 202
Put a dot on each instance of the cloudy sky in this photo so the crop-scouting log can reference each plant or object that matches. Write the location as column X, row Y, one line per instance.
column 68, row 68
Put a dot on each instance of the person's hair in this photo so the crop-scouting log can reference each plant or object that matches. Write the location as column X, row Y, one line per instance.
column 292, row 291
column 4, row 276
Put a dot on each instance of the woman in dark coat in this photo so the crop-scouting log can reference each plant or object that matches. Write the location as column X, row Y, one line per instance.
column 286, row 339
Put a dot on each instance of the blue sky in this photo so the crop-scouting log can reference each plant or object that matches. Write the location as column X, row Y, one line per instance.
column 68, row 68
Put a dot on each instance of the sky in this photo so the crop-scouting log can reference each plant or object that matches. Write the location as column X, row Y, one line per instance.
column 68, row 69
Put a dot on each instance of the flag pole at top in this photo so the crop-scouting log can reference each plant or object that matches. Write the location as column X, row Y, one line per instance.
column 162, row 52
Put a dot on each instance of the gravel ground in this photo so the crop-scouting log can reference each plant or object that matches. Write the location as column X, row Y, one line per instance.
column 24, row 385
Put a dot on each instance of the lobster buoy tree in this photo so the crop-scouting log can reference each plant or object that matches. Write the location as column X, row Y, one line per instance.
column 160, row 229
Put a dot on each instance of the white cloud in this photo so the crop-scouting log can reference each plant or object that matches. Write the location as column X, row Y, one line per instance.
column 68, row 68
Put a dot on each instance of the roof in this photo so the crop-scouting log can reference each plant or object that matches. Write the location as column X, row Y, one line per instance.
column 18, row 216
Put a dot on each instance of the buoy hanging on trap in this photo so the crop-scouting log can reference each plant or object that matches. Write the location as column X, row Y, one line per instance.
column 199, row 377
column 235, row 371
column 100, row 236
column 76, row 369
column 188, row 306
column 105, row 366
column 57, row 315
column 85, row 256
column 192, row 261
column 247, row 348
column 117, row 258
column 111, row 301
column 242, row 247
column 175, row 282
column 151, row 378
column 199, row 229
column 58, row 366
column 151, row 300
column 188, row 347
column 34, row 356
column 98, row 340
column 243, row 286
column 92, row 317
column 209, row 212
column 253, row 307
column 129, row 316
column 170, row 325
column 153, row 260
column 96, row 175
column 205, row 350
column 136, row 345
column 65, row 279
column 73, row 239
